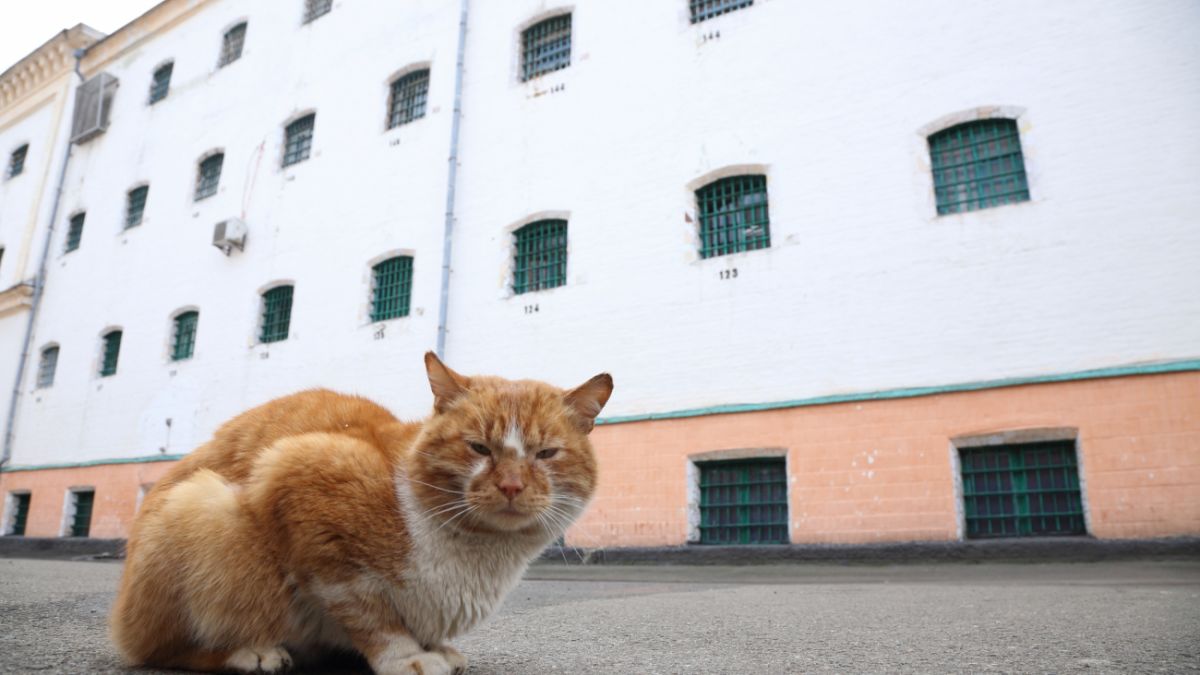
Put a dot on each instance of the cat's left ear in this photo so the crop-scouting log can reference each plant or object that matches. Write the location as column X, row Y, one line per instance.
column 446, row 384
column 589, row 398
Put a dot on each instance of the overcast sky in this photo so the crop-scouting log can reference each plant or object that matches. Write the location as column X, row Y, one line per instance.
column 24, row 26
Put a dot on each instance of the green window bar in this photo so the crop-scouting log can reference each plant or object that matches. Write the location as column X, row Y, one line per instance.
column 707, row 9
column 393, row 288
column 299, row 140
column 16, row 161
column 277, row 314
column 74, row 232
column 209, row 176
column 409, row 94
column 314, row 9
column 47, row 367
column 184, row 341
column 112, row 351
column 81, row 523
column 744, row 502
column 160, row 83
column 1022, row 490
column 978, row 165
column 541, row 258
column 135, row 206
column 733, row 216
column 231, row 45
column 546, row 47
column 21, row 506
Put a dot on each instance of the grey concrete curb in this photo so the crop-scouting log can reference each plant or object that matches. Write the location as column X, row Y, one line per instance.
column 61, row 548
column 1051, row 549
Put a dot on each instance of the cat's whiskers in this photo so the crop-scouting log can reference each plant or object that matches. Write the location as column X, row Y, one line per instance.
column 435, row 487
column 470, row 509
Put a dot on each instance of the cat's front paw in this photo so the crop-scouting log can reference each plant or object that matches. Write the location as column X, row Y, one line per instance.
column 458, row 662
column 269, row 660
column 425, row 663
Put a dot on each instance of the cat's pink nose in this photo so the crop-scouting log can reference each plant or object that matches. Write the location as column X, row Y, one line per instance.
column 511, row 488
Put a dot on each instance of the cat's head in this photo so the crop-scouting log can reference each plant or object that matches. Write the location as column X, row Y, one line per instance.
column 503, row 455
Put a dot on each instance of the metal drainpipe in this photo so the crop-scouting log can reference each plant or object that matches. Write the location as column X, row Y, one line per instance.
column 451, row 182
column 39, row 284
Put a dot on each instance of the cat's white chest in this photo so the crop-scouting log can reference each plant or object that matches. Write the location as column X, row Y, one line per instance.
column 451, row 584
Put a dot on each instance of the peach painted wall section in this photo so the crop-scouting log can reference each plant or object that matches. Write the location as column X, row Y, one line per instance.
column 117, row 487
column 876, row 471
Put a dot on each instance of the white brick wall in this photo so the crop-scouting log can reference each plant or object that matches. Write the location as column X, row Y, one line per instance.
column 863, row 289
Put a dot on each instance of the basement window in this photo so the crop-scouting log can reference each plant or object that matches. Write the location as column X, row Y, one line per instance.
column 80, row 504
column 19, row 508
column 743, row 501
column 1024, row 490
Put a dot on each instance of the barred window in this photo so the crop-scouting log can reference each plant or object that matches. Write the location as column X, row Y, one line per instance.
column 978, row 165
column 733, row 216
column 208, row 177
column 183, row 339
column 112, row 351
column 392, row 289
column 743, row 502
column 314, row 9
column 135, row 205
column 47, row 367
column 541, row 258
column 407, row 102
column 707, row 9
column 16, row 161
column 74, row 232
column 81, row 521
column 299, row 140
column 546, row 47
column 1022, row 490
column 231, row 45
column 160, row 84
column 277, row 314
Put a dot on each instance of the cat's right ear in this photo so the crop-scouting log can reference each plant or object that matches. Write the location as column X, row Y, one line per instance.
column 446, row 384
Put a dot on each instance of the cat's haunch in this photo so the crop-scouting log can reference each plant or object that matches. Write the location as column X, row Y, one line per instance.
column 320, row 522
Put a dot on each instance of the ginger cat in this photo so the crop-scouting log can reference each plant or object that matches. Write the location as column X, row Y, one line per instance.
column 320, row 522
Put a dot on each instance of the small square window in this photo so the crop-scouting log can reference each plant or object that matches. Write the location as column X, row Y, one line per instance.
column 112, row 351
column 277, row 314
column 231, row 45
column 546, row 47
column 393, row 288
column 183, row 341
column 74, row 232
column 314, row 9
column 408, row 98
column 161, row 83
column 47, row 367
column 135, row 206
column 744, row 502
column 541, row 256
column 208, row 177
column 299, row 135
column 707, row 9
column 16, row 162
column 19, row 515
column 733, row 216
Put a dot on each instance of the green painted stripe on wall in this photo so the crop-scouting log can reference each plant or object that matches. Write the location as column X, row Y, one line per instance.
column 911, row 392
column 93, row 462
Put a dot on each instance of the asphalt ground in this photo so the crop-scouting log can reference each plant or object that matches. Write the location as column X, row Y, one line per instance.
column 943, row 618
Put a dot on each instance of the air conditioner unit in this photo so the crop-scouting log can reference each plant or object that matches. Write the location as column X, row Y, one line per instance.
column 93, row 103
column 230, row 234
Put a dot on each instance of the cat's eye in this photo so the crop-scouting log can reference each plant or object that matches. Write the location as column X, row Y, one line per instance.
column 480, row 448
column 547, row 453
